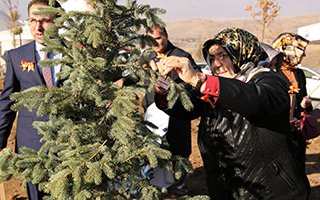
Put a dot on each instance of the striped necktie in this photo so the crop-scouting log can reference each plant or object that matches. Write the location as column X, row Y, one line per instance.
column 46, row 73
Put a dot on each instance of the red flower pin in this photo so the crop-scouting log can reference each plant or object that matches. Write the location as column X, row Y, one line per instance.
column 27, row 65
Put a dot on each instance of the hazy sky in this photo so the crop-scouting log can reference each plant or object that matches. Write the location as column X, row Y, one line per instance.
column 230, row 9
column 185, row 9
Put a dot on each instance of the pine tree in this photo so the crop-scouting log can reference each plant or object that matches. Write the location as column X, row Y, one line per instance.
column 96, row 140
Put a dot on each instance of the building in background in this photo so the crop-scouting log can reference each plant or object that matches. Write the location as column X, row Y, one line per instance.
column 310, row 32
column 26, row 37
column 6, row 43
column 4, row 18
column 6, row 38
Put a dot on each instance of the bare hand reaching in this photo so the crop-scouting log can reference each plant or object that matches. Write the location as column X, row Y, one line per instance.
column 181, row 65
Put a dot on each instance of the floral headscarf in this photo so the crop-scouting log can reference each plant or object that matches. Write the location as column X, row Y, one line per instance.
column 292, row 46
column 241, row 46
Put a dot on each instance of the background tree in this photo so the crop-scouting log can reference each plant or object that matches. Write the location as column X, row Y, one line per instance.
column 96, row 140
column 13, row 25
column 264, row 12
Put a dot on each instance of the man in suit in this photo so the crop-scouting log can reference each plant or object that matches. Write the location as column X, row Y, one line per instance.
column 22, row 73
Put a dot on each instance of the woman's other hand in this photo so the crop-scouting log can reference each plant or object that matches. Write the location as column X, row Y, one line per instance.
column 306, row 102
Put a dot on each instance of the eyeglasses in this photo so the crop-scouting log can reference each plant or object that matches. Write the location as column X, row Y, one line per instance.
column 43, row 21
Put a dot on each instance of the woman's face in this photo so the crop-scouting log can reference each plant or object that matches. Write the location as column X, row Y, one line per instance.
column 221, row 63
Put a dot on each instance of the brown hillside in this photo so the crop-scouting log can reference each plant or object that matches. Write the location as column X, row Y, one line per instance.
column 190, row 34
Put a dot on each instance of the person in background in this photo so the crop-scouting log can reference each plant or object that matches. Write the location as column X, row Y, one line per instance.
column 293, row 48
column 176, row 131
column 23, row 73
column 244, row 129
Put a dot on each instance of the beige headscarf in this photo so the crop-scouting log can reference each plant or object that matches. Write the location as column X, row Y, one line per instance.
column 292, row 46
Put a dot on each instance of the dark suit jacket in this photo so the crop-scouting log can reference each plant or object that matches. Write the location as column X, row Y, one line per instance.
column 17, row 80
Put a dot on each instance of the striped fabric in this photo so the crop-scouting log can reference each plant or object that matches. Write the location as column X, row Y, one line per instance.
column 47, row 74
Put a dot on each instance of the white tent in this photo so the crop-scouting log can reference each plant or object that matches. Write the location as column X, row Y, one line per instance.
column 310, row 32
column 6, row 38
column 6, row 42
column 25, row 37
column 4, row 18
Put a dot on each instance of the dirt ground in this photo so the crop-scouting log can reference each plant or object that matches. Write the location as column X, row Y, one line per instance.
column 196, row 183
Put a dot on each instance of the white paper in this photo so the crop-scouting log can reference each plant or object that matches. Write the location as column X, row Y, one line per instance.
column 158, row 118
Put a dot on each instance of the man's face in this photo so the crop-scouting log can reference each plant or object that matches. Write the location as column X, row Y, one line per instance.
column 160, row 39
column 221, row 64
column 38, row 24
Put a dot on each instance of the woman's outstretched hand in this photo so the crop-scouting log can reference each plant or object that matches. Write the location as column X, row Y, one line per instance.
column 181, row 65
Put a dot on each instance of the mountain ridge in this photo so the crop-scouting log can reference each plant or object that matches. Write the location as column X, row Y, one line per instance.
column 191, row 33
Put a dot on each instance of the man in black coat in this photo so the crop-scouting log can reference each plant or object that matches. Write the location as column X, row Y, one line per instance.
column 178, row 132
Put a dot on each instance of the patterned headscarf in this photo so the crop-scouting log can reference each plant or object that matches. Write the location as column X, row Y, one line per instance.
column 241, row 46
column 292, row 46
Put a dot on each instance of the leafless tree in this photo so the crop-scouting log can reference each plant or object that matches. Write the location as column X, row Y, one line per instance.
column 13, row 25
column 264, row 12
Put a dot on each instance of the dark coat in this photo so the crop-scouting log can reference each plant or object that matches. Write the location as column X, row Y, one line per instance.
column 302, row 85
column 299, row 143
column 244, row 140
column 17, row 80
column 179, row 131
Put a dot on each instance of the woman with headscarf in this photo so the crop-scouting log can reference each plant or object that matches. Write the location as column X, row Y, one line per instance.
column 244, row 126
column 293, row 48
